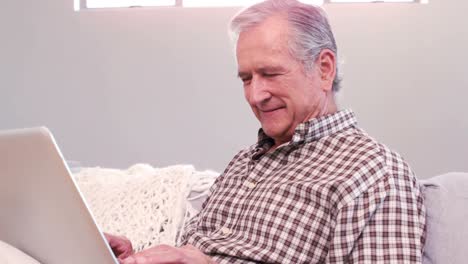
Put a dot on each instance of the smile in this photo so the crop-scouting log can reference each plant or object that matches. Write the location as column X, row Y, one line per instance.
column 272, row 110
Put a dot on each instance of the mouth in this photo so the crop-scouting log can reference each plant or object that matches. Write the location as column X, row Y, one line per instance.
column 271, row 109
column 271, row 113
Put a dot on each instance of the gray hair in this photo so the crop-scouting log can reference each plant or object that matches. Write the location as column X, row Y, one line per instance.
column 309, row 25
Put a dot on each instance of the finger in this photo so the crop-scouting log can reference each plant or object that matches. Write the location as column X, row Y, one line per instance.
column 125, row 242
column 120, row 249
column 121, row 246
column 124, row 252
column 128, row 260
column 156, row 257
column 159, row 249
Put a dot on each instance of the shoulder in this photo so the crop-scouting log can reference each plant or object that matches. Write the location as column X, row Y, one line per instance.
column 365, row 153
column 360, row 163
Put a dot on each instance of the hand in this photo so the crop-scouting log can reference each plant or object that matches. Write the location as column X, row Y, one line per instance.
column 164, row 254
column 121, row 246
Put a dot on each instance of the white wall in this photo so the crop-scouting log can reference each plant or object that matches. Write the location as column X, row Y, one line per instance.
column 158, row 85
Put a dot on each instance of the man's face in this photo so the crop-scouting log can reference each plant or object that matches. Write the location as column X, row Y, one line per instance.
column 281, row 93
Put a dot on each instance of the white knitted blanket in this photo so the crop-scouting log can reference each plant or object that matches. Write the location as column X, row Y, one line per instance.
column 147, row 205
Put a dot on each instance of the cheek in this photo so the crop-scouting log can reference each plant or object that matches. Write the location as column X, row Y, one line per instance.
column 247, row 94
column 296, row 101
column 285, row 91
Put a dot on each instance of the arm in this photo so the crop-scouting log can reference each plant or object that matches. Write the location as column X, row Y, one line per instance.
column 164, row 254
column 385, row 224
column 189, row 229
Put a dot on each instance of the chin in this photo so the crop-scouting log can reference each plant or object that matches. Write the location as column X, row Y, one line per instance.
column 273, row 131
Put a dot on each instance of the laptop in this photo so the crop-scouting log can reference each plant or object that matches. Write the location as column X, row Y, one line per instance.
column 42, row 212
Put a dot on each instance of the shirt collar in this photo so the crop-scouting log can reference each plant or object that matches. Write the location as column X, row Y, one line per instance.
column 314, row 129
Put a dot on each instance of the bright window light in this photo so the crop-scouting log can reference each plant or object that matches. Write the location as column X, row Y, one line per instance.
column 202, row 3
column 209, row 3
column 372, row 1
column 127, row 3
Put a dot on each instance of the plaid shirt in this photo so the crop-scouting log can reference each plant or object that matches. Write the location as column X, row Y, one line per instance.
column 330, row 195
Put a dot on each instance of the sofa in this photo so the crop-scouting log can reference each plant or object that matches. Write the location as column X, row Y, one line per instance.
column 446, row 200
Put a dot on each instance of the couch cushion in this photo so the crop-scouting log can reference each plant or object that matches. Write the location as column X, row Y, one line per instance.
column 446, row 200
column 9, row 254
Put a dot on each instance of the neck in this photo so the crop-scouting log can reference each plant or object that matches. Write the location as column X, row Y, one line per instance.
column 329, row 107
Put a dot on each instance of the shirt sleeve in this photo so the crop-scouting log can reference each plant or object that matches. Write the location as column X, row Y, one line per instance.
column 385, row 224
column 188, row 230
column 191, row 226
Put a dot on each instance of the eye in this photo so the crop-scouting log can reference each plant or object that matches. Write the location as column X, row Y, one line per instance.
column 268, row 75
column 246, row 80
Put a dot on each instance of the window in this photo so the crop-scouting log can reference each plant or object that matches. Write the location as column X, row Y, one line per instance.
column 80, row 4
column 127, row 3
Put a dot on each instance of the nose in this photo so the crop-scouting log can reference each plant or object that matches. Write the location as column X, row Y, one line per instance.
column 259, row 91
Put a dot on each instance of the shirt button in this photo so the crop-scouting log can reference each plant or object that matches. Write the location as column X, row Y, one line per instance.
column 226, row 231
column 250, row 184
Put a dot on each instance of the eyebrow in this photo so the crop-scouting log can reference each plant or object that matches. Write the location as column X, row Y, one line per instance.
column 242, row 75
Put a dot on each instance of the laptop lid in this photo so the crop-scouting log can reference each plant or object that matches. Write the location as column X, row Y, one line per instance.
column 41, row 210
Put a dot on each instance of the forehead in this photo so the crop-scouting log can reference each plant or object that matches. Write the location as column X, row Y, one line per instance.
column 270, row 36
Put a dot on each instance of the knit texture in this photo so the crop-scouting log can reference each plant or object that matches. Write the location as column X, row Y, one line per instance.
column 145, row 204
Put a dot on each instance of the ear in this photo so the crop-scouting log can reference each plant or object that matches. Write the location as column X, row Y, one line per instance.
column 326, row 64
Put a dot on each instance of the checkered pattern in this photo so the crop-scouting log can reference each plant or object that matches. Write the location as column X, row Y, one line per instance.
column 331, row 195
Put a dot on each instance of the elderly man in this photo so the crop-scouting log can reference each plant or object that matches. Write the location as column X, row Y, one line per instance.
column 315, row 188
